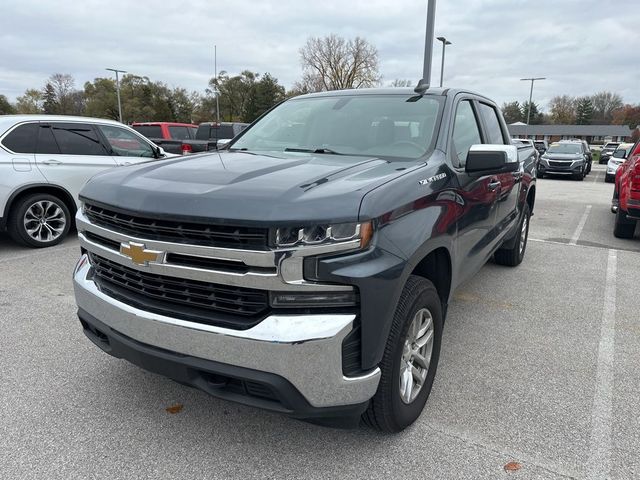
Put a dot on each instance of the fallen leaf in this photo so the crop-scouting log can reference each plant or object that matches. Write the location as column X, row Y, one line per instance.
column 512, row 467
column 173, row 409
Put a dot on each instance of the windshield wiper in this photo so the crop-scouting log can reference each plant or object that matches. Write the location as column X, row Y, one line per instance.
column 313, row 150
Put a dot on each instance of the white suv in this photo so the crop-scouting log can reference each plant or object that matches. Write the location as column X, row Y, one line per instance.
column 44, row 162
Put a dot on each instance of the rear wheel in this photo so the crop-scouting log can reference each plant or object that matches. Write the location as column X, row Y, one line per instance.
column 39, row 220
column 410, row 358
column 624, row 228
column 513, row 256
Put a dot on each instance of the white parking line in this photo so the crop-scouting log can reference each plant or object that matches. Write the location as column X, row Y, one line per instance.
column 583, row 220
column 599, row 463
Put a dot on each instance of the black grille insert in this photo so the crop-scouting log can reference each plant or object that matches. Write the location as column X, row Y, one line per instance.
column 176, row 231
column 202, row 302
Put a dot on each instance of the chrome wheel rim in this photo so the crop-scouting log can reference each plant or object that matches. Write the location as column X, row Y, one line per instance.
column 416, row 355
column 44, row 221
column 523, row 233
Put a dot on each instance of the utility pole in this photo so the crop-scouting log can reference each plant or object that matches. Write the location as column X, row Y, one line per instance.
column 530, row 95
column 118, row 90
column 445, row 42
column 215, row 73
column 425, row 81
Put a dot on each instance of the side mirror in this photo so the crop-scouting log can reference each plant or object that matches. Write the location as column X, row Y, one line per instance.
column 488, row 158
column 223, row 142
column 159, row 151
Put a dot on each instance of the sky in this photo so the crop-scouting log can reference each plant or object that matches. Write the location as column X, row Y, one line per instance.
column 580, row 46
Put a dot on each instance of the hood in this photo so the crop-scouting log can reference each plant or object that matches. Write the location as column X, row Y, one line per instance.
column 247, row 188
column 562, row 156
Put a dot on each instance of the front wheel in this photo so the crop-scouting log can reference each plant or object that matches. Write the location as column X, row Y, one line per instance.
column 410, row 358
column 513, row 256
column 39, row 220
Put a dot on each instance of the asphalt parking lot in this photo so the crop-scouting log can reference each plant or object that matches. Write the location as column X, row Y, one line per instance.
column 539, row 366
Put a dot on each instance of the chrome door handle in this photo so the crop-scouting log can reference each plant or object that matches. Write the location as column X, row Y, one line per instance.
column 51, row 162
column 493, row 186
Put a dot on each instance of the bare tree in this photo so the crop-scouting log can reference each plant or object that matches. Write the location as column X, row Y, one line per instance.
column 333, row 63
column 64, row 92
column 563, row 110
column 398, row 82
column 604, row 103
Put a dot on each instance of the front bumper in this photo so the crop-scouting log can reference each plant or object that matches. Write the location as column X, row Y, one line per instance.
column 560, row 167
column 290, row 353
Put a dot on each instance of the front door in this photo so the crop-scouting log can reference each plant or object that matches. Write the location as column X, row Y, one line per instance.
column 479, row 195
column 69, row 154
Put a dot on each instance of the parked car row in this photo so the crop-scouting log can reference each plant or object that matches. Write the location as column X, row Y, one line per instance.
column 185, row 138
column 616, row 159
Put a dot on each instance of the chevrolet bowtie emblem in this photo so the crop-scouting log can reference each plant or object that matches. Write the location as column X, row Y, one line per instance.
column 139, row 254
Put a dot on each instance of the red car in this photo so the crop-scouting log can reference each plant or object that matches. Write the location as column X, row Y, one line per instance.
column 626, row 195
column 172, row 137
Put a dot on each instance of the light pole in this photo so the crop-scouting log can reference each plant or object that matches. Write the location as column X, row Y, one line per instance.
column 215, row 73
column 118, row 90
column 530, row 94
column 445, row 42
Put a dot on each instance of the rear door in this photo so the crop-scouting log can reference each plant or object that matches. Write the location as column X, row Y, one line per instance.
column 477, row 219
column 69, row 154
column 507, row 211
column 127, row 147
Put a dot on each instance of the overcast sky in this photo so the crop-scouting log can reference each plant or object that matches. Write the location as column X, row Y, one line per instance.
column 581, row 46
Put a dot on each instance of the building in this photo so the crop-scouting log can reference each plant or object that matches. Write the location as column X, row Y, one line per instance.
column 590, row 133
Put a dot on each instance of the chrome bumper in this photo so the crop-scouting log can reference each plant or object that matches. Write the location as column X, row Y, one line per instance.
column 306, row 350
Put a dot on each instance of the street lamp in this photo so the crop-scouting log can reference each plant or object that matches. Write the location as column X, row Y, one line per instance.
column 215, row 73
column 118, row 90
column 530, row 94
column 445, row 42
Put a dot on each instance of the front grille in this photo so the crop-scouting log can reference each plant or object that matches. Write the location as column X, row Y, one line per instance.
column 202, row 302
column 559, row 164
column 179, row 232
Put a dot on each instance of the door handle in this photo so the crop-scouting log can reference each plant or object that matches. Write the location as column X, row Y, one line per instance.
column 51, row 162
column 494, row 185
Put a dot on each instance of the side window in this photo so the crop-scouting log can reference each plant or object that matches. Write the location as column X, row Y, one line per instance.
column 22, row 139
column 465, row 132
column 125, row 143
column 492, row 123
column 179, row 133
column 77, row 139
column 46, row 141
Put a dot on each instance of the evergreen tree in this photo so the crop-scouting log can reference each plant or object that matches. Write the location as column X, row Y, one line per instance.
column 264, row 95
column 5, row 107
column 50, row 104
column 584, row 111
column 512, row 112
column 536, row 116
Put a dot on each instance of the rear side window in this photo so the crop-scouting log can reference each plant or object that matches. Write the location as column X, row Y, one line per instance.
column 149, row 131
column 22, row 139
column 179, row 133
column 492, row 124
column 77, row 139
column 125, row 143
column 46, row 141
column 465, row 132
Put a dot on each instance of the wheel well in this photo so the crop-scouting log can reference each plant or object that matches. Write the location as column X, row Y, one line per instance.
column 59, row 192
column 531, row 198
column 436, row 267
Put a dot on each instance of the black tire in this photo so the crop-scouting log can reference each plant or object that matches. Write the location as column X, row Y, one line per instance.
column 624, row 228
column 579, row 176
column 608, row 178
column 17, row 229
column 539, row 175
column 513, row 256
column 387, row 411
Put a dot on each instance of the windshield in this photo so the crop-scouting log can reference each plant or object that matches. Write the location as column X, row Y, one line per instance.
column 568, row 148
column 622, row 152
column 371, row 125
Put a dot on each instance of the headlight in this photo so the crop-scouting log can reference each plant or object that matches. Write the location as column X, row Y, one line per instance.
column 324, row 234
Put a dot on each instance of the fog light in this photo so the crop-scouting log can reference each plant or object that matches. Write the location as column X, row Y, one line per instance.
column 313, row 299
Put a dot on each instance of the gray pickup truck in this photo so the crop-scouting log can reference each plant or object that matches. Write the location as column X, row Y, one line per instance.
column 307, row 269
